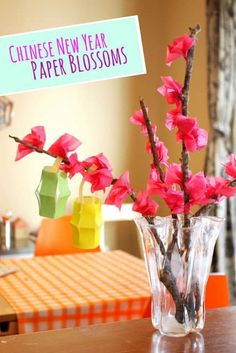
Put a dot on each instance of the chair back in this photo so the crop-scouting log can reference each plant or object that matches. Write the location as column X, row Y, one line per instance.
column 55, row 238
column 217, row 291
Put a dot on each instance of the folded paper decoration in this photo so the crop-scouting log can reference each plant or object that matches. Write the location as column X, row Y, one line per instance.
column 86, row 222
column 52, row 193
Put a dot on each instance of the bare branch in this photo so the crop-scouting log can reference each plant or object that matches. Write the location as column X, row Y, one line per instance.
column 151, row 136
column 37, row 149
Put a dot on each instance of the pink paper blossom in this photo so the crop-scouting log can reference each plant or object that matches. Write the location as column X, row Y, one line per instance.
column 230, row 167
column 179, row 48
column 36, row 138
column 162, row 151
column 171, row 90
column 155, row 186
column 172, row 118
column 138, row 119
column 185, row 124
column 97, row 171
column 218, row 188
column 145, row 205
column 119, row 190
column 63, row 145
column 193, row 137
column 175, row 201
column 196, row 187
column 74, row 167
column 174, row 174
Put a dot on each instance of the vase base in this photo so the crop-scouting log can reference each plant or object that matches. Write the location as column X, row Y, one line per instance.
column 174, row 334
column 170, row 327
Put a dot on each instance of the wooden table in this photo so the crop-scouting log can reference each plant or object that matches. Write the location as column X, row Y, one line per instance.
column 135, row 336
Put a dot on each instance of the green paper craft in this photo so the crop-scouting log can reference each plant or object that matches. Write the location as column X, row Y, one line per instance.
column 52, row 193
column 87, row 222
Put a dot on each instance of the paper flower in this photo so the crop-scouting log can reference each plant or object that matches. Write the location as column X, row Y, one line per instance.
column 63, row 145
column 120, row 189
column 175, row 201
column 218, row 188
column 36, row 138
column 161, row 150
column 196, row 187
column 174, row 174
column 74, row 166
column 188, row 132
column 138, row 119
column 172, row 118
column 145, row 205
column 97, row 171
column 155, row 185
column 179, row 48
column 230, row 167
column 171, row 90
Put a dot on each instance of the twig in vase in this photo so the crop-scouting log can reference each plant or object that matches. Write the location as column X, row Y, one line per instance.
column 166, row 276
column 185, row 156
column 151, row 137
column 233, row 183
column 204, row 210
column 150, row 220
column 157, row 164
column 184, row 98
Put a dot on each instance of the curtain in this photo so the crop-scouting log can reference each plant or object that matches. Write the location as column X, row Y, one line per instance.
column 221, row 39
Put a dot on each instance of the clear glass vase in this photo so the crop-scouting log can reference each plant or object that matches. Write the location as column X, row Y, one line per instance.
column 178, row 261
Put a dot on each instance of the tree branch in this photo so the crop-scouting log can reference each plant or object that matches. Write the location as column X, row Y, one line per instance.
column 37, row 149
column 184, row 98
column 151, row 137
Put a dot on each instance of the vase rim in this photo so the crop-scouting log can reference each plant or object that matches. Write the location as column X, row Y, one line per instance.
column 213, row 218
column 159, row 220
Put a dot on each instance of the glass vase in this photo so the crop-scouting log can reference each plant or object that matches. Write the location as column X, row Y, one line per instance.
column 178, row 261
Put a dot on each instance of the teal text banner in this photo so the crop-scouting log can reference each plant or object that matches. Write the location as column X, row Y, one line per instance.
column 71, row 55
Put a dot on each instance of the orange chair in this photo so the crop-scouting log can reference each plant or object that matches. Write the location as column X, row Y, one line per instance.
column 217, row 293
column 55, row 238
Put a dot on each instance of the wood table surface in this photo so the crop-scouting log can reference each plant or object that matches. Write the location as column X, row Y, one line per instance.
column 135, row 336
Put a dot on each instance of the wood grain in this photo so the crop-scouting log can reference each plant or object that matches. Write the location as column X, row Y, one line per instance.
column 137, row 336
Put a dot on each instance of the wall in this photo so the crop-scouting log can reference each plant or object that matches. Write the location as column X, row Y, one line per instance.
column 98, row 113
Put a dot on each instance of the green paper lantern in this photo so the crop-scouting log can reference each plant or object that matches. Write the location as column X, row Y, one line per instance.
column 52, row 193
column 87, row 222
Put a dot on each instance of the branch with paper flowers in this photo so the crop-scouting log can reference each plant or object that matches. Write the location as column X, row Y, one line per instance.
column 172, row 182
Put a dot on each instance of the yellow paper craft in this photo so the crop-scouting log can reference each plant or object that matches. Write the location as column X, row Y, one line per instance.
column 87, row 222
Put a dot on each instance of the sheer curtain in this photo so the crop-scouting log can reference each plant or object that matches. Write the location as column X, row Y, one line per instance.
column 221, row 32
